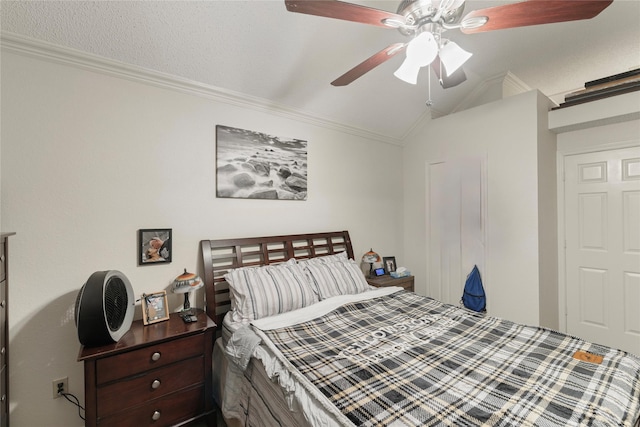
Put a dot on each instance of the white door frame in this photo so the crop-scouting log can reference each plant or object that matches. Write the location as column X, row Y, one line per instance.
column 562, row 266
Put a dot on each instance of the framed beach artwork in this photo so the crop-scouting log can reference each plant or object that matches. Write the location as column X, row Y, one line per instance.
column 255, row 165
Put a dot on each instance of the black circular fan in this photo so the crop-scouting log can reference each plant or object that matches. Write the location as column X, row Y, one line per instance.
column 104, row 308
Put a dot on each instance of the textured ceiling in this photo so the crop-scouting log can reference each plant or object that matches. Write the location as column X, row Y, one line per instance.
column 259, row 49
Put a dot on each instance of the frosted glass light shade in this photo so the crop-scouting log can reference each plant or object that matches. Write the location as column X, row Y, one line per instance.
column 408, row 71
column 421, row 51
column 452, row 57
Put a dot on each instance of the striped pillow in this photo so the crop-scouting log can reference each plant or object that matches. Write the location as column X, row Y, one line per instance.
column 264, row 291
column 337, row 278
column 325, row 259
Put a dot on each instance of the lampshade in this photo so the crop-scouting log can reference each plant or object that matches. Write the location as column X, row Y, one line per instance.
column 421, row 51
column 452, row 57
column 185, row 283
column 371, row 257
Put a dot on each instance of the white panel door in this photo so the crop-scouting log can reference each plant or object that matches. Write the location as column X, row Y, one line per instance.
column 455, row 229
column 602, row 223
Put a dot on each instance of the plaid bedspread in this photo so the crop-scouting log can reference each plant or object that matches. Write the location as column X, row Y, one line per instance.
column 408, row 360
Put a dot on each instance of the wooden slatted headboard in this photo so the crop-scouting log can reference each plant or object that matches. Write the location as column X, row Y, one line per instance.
column 220, row 256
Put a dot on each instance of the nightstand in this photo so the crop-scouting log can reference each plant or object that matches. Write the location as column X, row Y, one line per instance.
column 382, row 281
column 159, row 374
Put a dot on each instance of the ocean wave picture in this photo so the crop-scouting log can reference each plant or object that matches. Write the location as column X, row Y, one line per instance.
column 255, row 165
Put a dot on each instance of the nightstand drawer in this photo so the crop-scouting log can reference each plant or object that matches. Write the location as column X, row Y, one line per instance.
column 150, row 385
column 383, row 281
column 4, row 399
column 3, row 261
column 151, row 357
column 165, row 411
column 3, row 322
column 120, row 386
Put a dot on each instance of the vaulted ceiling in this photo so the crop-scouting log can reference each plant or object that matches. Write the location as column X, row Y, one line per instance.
column 259, row 49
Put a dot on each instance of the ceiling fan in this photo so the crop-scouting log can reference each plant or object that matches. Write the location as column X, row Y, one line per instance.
column 425, row 21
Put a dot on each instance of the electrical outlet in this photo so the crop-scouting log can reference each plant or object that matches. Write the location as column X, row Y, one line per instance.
column 60, row 385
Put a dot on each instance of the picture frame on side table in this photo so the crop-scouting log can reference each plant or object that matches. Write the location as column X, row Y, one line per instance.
column 154, row 307
column 154, row 246
column 389, row 263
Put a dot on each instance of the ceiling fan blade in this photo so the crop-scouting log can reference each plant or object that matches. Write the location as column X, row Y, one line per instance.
column 369, row 64
column 343, row 10
column 446, row 82
column 534, row 12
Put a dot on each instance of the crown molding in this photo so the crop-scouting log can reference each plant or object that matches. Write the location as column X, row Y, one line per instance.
column 512, row 85
column 19, row 44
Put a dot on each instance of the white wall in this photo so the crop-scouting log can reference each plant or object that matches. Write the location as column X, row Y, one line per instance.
column 88, row 159
column 506, row 134
column 547, row 217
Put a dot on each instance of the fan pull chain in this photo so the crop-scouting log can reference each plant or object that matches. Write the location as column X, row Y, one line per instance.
column 429, row 101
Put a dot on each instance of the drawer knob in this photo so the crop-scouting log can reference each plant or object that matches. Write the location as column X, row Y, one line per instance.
column 155, row 384
column 155, row 356
column 3, row 398
column 2, row 304
column 155, row 416
column 2, row 258
column 2, row 351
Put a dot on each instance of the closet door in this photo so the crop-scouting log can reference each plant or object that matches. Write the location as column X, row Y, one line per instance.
column 455, row 226
column 602, row 223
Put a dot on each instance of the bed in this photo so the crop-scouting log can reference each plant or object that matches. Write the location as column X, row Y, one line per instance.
column 307, row 342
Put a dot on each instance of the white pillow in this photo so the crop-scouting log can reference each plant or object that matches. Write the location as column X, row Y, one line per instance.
column 325, row 259
column 264, row 291
column 337, row 278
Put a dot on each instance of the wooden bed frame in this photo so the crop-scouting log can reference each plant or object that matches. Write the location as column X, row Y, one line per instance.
column 220, row 256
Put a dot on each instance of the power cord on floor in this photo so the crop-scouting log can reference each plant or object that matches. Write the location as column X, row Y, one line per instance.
column 73, row 399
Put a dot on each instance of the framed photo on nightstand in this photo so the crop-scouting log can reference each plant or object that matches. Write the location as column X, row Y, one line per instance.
column 389, row 263
column 154, row 307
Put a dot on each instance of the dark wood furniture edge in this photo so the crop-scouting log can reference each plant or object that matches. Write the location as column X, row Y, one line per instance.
column 4, row 237
column 259, row 251
column 136, row 338
column 124, row 344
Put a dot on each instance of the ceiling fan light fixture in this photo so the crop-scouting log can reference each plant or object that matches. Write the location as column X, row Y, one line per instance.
column 421, row 51
column 453, row 56
column 408, row 71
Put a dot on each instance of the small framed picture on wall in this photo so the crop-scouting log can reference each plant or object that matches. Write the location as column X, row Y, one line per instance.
column 154, row 245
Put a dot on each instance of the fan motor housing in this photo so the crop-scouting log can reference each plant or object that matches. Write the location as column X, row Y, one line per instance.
column 104, row 308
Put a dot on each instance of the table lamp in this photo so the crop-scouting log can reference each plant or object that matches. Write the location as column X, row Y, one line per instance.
column 185, row 283
column 370, row 257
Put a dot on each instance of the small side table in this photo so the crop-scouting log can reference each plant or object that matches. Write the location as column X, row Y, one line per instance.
column 386, row 280
column 156, row 374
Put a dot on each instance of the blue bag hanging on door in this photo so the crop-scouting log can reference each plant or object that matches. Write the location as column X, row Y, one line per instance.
column 473, row 296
